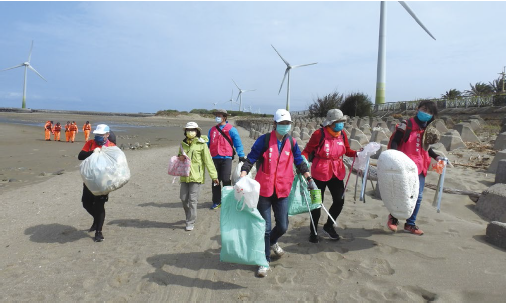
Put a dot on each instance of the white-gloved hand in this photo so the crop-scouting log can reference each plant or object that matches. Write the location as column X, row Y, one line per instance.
column 96, row 150
column 358, row 153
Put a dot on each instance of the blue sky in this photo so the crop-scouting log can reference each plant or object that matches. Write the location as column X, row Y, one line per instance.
column 149, row 56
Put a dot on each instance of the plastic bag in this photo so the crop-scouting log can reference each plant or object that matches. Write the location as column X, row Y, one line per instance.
column 248, row 189
column 105, row 170
column 370, row 149
column 299, row 197
column 236, row 173
column 178, row 167
column 242, row 232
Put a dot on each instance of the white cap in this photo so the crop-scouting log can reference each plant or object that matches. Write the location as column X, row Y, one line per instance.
column 282, row 115
column 101, row 129
column 192, row 125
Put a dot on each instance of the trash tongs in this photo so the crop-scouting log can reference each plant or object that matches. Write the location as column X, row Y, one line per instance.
column 439, row 190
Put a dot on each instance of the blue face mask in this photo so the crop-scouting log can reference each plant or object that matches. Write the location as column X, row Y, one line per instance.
column 218, row 119
column 339, row 127
column 283, row 129
column 100, row 140
column 424, row 117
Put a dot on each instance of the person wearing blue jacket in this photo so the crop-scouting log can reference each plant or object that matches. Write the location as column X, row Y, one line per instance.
column 223, row 137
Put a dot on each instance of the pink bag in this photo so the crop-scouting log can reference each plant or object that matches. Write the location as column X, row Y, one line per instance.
column 178, row 167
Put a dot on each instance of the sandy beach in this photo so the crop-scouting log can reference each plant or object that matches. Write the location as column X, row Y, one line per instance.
column 48, row 255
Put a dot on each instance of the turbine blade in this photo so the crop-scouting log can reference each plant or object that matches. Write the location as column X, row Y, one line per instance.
column 30, row 67
column 287, row 70
column 406, row 7
column 249, row 90
column 231, row 95
column 300, row 65
column 286, row 62
column 235, row 85
column 30, row 54
column 238, row 95
column 11, row 67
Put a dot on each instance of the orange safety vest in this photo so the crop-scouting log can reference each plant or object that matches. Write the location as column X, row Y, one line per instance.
column 57, row 128
column 48, row 125
column 87, row 127
column 67, row 127
column 73, row 128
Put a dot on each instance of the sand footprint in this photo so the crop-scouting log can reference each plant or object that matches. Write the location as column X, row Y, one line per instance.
column 379, row 266
column 452, row 232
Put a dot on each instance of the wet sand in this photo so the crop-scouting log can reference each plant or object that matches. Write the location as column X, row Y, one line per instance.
column 48, row 255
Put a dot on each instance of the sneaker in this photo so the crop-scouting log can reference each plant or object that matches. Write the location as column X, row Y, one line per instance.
column 215, row 206
column 392, row 223
column 277, row 250
column 99, row 237
column 330, row 232
column 189, row 228
column 313, row 238
column 262, row 271
column 412, row 229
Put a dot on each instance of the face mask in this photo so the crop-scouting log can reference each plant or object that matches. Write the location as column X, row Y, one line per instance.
column 424, row 117
column 339, row 126
column 218, row 119
column 283, row 129
column 191, row 134
column 100, row 140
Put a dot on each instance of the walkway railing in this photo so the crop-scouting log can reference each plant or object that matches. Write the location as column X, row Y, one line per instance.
column 463, row 102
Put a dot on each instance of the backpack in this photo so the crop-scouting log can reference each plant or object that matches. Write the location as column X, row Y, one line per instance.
column 405, row 137
column 313, row 153
column 267, row 138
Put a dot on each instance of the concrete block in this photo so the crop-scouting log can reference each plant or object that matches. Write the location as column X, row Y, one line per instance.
column 378, row 136
column 366, row 129
column 346, row 132
column 496, row 234
column 354, row 144
column 475, row 124
column 296, row 129
column 500, row 174
column 361, row 138
column 354, row 132
column 440, row 126
column 495, row 163
column 305, row 136
column 304, row 130
column 385, row 141
column 383, row 147
column 500, row 142
column 468, row 135
column 377, row 193
column 452, row 142
column 296, row 134
column 492, row 202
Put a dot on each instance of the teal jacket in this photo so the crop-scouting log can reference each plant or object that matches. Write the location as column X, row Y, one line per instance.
column 199, row 154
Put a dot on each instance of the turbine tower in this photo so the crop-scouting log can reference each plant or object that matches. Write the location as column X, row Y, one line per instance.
column 27, row 66
column 381, row 71
column 287, row 71
column 239, row 96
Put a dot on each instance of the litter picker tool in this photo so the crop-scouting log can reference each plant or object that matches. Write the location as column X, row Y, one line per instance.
column 439, row 190
column 309, row 209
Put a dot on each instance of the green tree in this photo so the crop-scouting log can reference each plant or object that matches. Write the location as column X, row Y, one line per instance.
column 321, row 106
column 357, row 104
column 497, row 85
column 452, row 94
column 479, row 89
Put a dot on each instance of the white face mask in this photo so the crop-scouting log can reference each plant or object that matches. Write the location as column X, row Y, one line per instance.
column 218, row 119
column 191, row 134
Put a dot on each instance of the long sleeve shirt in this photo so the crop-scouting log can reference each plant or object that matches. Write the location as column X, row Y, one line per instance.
column 236, row 141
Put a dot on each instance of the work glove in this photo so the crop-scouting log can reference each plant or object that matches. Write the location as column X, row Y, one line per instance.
column 242, row 159
column 311, row 184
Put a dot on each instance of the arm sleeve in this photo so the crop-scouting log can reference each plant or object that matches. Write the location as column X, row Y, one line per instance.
column 236, row 140
column 208, row 162
column 209, row 136
column 432, row 154
column 299, row 161
column 254, row 155
column 399, row 134
column 313, row 143
column 349, row 152
column 84, row 154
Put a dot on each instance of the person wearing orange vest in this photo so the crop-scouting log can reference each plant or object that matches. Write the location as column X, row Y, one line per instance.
column 67, row 131
column 95, row 205
column 414, row 148
column 275, row 175
column 48, row 129
column 86, row 130
column 56, row 131
column 223, row 137
column 329, row 145
column 73, row 131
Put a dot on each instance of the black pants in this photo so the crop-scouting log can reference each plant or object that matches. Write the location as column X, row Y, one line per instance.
column 94, row 205
column 336, row 188
column 224, row 169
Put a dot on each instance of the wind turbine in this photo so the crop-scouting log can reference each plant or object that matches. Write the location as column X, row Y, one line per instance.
column 214, row 104
column 239, row 96
column 231, row 99
column 381, row 71
column 26, row 65
column 287, row 71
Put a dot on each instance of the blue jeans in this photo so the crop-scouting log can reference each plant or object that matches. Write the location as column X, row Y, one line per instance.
column 412, row 219
column 280, row 209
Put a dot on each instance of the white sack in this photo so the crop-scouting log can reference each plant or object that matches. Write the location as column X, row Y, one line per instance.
column 105, row 170
column 398, row 183
column 249, row 189
column 236, row 172
column 370, row 149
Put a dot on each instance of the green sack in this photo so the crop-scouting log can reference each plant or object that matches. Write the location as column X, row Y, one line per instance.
column 242, row 231
column 298, row 197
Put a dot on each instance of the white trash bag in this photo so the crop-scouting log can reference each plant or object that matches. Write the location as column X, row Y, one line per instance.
column 370, row 149
column 105, row 170
column 249, row 189
column 236, row 173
